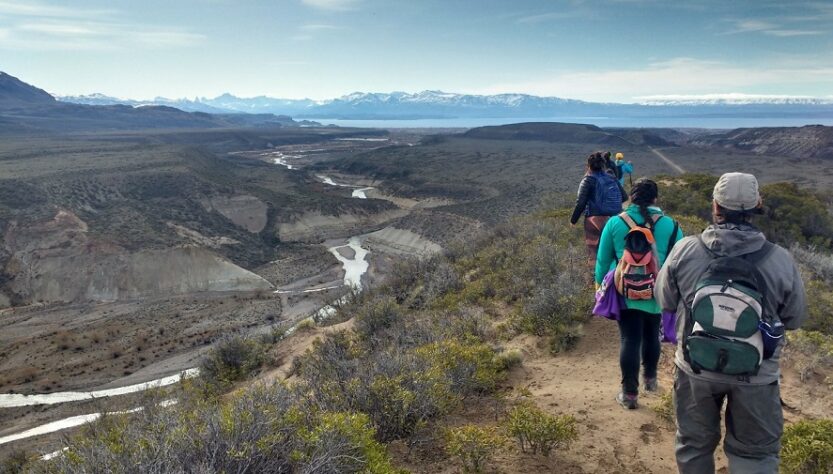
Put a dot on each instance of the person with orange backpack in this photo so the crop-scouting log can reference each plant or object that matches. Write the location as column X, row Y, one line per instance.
column 634, row 246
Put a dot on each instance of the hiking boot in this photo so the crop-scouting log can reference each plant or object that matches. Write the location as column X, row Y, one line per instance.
column 626, row 400
column 651, row 385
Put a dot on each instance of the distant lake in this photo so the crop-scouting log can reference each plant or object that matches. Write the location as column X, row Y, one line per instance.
column 659, row 122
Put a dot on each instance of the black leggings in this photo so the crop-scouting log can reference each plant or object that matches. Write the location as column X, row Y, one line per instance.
column 639, row 332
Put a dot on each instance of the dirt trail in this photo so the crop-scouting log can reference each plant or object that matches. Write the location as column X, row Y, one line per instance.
column 679, row 169
column 583, row 382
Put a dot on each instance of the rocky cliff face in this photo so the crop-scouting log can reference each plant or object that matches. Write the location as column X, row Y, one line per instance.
column 57, row 261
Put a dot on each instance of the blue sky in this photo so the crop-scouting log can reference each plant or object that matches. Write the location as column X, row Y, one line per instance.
column 604, row 50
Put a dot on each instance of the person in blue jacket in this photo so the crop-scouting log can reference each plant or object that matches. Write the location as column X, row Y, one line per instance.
column 639, row 322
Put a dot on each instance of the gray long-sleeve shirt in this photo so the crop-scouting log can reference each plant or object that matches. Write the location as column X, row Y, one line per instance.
column 784, row 300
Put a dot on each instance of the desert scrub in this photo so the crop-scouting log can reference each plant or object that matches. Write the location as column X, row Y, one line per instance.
column 819, row 307
column 510, row 359
column 305, row 325
column 234, row 357
column 474, row 446
column 18, row 461
column 807, row 447
column 374, row 316
column 814, row 350
column 792, row 215
column 269, row 429
column 537, row 266
column 537, row 431
column 343, row 442
column 472, row 367
column 396, row 388
column 814, row 261
column 664, row 408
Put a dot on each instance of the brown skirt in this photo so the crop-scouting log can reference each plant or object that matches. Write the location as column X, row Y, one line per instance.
column 593, row 226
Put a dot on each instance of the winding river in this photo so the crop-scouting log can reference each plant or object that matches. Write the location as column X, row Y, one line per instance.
column 354, row 270
column 12, row 400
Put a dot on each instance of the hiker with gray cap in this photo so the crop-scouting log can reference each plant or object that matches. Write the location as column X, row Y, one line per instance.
column 734, row 293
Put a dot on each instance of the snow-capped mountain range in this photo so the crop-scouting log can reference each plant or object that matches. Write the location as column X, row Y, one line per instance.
column 439, row 104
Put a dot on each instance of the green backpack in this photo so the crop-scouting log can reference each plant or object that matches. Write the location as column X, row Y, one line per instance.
column 722, row 328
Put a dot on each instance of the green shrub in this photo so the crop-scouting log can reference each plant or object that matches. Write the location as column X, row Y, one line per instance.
column 233, row 358
column 815, row 349
column 472, row 367
column 819, row 307
column 396, row 388
column 815, row 262
column 474, row 446
column 374, row 316
column 664, row 408
column 343, row 442
column 17, row 461
column 791, row 214
column 687, row 195
column 538, row 431
column 795, row 215
column 268, row 429
column 510, row 359
column 305, row 325
column 807, row 447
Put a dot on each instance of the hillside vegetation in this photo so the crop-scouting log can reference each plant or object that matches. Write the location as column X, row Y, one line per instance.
column 426, row 365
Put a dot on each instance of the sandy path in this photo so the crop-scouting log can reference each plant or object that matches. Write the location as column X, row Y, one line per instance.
column 583, row 382
column 679, row 169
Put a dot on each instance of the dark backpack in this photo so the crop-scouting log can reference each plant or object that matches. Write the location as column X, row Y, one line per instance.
column 723, row 323
column 607, row 198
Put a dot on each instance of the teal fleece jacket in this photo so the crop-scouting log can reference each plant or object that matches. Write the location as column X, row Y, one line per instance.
column 612, row 245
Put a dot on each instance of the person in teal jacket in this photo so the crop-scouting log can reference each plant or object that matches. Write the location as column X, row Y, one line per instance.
column 639, row 323
column 622, row 168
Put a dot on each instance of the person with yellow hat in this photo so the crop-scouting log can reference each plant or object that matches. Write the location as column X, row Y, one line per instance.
column 622, row 168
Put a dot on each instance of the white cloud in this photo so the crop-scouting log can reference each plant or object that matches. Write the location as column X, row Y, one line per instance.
column 789, row 33
column 164, row 39
column 545, row 17
column 675, row 76
column 318, row 27
column 783, row 26
column 36, row 9
column 42, row 27
column 61, row 29
column 334, row 5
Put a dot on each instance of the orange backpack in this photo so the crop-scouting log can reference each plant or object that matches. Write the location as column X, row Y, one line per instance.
column 636, row 272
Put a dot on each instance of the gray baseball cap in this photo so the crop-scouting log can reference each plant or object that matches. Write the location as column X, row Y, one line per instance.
column 737, row 192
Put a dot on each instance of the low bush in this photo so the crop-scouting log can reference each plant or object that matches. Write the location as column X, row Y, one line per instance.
column 397, row 389
column 471, row 367
column 819, row 264
column 537, row 431
column 233, row 358
column 807, row 447
column 537, row 265
column 664, row 408
column 510, row 359
column 791, row 215
column 814, row 350
column 265, row 429
column 474, row 446
column 18, row 461
column 374, row 316
column 819, row 307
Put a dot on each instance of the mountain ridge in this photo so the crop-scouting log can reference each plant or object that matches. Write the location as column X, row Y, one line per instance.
column 29, row 109
column 441, row 104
